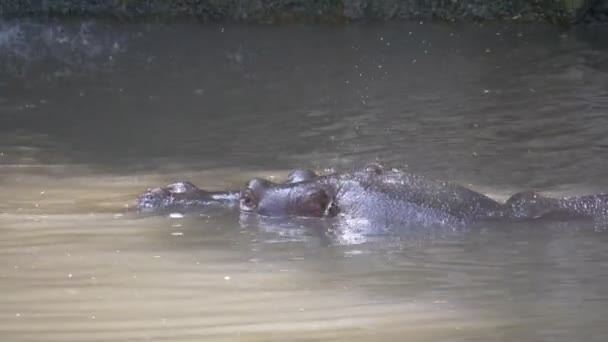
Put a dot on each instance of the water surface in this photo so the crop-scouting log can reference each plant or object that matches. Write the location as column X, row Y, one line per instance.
column 92, row 113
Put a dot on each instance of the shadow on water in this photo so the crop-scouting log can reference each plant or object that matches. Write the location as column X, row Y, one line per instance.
column 92, row 113
column 463, row 89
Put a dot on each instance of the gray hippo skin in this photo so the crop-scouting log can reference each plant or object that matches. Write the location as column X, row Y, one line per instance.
column 186, row 196
column 371, row 194
column 376, row 195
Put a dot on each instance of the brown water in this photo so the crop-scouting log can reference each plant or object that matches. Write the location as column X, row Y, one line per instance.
column 92, row 113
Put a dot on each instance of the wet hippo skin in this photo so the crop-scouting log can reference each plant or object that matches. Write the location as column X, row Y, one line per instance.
column 375, row 194
column 185, row 195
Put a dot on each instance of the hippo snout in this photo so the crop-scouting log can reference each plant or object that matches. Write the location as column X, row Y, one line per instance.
column 183, row 195
column 164, row 197
column 154, row 198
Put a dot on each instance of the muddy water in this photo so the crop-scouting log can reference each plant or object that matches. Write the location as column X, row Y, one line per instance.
column 92, row 113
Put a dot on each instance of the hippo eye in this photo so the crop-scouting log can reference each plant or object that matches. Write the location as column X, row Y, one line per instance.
column 249, row 199
column 316, row 202
column 374, row 168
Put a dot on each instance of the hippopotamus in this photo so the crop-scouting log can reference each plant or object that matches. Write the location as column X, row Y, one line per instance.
column 373, row 194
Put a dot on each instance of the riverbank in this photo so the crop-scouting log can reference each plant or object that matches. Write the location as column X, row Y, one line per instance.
column 334, row 11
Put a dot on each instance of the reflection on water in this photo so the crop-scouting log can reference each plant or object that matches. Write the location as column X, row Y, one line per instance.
column 93, row 113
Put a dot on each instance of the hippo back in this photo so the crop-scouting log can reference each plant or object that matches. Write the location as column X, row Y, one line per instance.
column 398, row 197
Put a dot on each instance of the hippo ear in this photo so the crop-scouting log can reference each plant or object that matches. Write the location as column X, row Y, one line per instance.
column 317, row 203
column 301, row 175
column 259, row 185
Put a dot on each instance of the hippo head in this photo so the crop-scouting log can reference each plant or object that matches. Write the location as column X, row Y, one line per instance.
column 304, row 198
column 167, row 195
column 185, row 195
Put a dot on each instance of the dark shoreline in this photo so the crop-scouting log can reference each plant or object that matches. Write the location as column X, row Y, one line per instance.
column 564, row 12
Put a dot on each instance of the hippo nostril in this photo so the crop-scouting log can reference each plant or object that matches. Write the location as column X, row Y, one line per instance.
column 181, row 187
column 147, row 200
column 154, row 198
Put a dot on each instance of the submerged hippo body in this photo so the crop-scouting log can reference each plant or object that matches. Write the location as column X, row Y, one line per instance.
column 393, row 197
column 375, row 195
